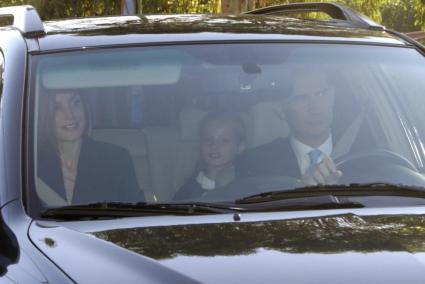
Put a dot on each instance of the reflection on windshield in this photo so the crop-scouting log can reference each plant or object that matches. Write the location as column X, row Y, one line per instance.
column 184, row 122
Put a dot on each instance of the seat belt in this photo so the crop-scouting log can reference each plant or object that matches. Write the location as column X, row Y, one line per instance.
column 343, row 146
column 48, row 196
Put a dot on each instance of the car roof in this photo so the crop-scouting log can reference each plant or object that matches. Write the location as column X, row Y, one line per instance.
column 154, row 29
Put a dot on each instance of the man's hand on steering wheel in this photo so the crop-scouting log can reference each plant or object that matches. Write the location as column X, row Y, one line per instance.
column 323, row 173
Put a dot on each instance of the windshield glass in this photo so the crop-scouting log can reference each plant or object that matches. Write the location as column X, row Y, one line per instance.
column 217, row 122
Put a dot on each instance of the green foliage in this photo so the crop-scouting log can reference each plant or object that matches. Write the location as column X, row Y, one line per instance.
column 53, row 9
column 420, row 13
column 402, row 15
column 181, row 6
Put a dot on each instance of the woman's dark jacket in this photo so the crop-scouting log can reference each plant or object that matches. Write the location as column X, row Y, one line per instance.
column 105, row 173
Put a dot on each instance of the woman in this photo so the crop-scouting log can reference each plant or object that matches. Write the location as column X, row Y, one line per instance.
column 73, row 168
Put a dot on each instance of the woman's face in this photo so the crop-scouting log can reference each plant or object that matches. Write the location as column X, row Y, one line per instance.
column 70, row 120
column 219, row 145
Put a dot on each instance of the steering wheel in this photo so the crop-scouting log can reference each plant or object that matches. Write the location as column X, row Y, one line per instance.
column 375, row 165
column 381, row 155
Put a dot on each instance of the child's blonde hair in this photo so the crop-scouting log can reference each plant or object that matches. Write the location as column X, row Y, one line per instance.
column 225, row 118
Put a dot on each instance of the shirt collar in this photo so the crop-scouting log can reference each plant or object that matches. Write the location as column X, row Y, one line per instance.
column 205, row 182
column 301, row 151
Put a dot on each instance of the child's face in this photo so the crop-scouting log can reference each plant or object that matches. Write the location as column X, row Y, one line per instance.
column 219, row 145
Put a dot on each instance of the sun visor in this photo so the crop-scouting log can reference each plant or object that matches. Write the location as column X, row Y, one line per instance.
column 111, row 69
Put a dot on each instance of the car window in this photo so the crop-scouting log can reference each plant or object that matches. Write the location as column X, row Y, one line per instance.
column 187, row 122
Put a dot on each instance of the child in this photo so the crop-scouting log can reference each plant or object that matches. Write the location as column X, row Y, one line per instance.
column 222, row 139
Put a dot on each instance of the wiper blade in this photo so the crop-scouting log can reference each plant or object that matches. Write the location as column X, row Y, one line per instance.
column 351, row 190
column 305, row 198
column 121, row 210
column 117, row 209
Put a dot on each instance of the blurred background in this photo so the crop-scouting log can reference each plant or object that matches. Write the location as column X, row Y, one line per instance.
column 401, row 15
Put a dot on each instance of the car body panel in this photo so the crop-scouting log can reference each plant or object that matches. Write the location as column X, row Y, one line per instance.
column 32, row 266
column 104, row 262
column 355, row 246
column 14, row 52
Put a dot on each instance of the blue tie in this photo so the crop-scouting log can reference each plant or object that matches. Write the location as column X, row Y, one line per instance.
column 314, row 157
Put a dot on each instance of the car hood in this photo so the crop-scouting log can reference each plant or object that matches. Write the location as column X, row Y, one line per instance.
column 344, row 248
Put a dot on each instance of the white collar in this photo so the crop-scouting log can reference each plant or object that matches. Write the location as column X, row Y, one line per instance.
column 205, row 182
column 301, row 151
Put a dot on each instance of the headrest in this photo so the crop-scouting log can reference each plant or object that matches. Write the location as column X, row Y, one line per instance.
column 264, row 124
column 189, row 123
column 131, row 139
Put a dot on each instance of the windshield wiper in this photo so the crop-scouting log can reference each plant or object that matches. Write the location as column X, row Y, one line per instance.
column 117, row 210
column 336, row 191
column 305, row 198
column 121, row 210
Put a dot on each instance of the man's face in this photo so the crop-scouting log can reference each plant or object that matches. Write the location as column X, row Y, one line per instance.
column 309, row 111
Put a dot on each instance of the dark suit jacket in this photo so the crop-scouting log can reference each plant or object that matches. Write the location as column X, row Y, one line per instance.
column 276, row 158
column 105, row 173
column 190, row 190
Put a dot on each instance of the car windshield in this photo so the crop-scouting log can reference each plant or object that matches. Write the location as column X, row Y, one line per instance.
column 218, row 122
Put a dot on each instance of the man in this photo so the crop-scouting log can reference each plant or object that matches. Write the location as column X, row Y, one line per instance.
column 306, row 153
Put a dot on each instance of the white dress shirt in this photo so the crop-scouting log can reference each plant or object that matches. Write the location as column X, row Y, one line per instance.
column 301, row 151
